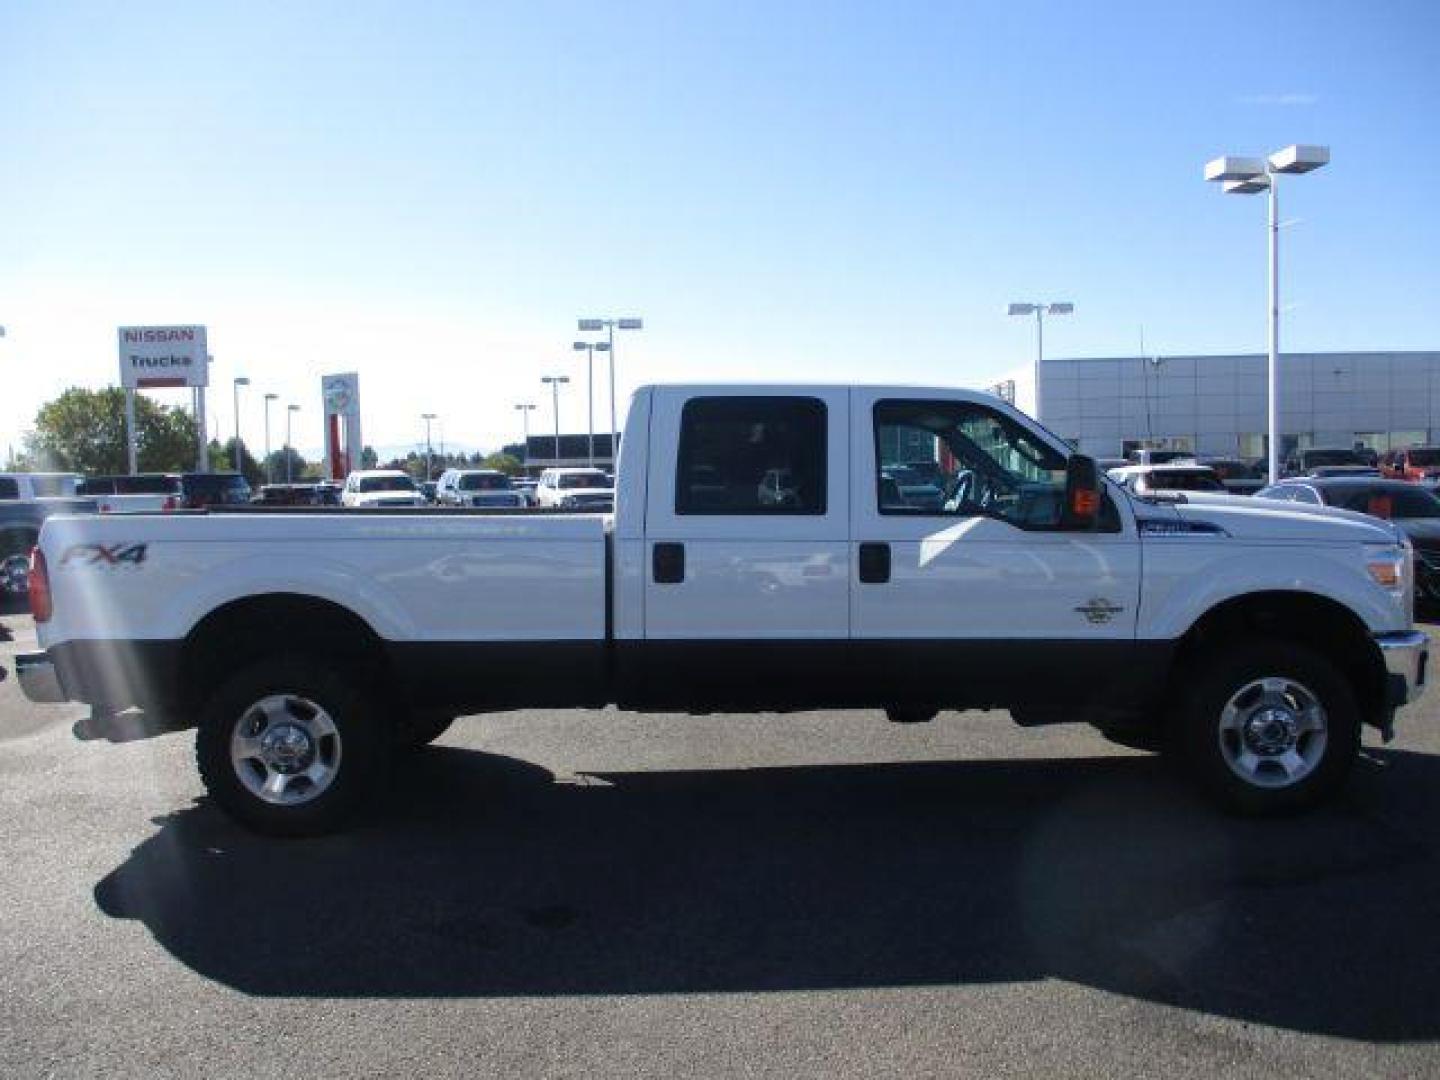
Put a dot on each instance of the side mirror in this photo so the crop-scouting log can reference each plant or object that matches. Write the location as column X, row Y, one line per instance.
column 1083, row 497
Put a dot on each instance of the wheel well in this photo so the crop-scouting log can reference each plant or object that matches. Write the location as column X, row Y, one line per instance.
column 246, row 630
column 1319, row 623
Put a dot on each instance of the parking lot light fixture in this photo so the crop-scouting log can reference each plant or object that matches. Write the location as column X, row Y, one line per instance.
column 525, row 408
column 429, row 459
column 240, row 380
column 1063, row 307
column 290, row 411
column 627, row 322
column 269, row 469
column 588, row 347
column 555, row 382
column 1250, row 176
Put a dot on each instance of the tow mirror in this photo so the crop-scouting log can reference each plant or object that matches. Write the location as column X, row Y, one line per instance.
column 1082, row 493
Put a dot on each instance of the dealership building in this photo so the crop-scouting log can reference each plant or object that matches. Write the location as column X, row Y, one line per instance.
column 1217, row 405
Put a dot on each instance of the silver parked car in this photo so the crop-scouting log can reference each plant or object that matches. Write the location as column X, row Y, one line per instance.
column 477, row 487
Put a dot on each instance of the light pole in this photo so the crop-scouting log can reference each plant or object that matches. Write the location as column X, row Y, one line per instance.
column 427, row 417
column 525, row 408
column 1250, row 176
column 591, row 347
column 555, row 382
column 240, row 380
column 269, row 467
column 591, row 326
column 1040, row 311
column 290, row 411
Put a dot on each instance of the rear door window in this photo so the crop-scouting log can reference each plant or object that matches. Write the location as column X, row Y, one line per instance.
column 752, row 455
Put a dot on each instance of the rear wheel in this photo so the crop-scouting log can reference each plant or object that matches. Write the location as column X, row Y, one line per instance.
column 289, row 746
column 1269, row 727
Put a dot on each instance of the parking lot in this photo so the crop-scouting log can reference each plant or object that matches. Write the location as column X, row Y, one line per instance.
column 578, row 893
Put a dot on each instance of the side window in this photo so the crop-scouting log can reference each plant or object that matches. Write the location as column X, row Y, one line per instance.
column 1307, row 495
column 751, row 455
column 9, row 488
column 963, row 459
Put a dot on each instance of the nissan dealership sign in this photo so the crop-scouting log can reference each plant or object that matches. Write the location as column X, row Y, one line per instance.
column 154, row 356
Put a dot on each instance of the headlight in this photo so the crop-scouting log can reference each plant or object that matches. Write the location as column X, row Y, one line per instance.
column 1389, row 567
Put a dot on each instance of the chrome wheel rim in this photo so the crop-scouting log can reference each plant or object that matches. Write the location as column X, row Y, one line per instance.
column 1273, row 732
column 285, row 749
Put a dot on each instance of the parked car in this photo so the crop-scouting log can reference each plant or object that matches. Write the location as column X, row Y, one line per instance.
column 478, row 487
column 1413, row 463
column 327, row 493
column 427, row 488
column 39, row 485
column 287, row 495
column 1415, row 509
column 1255, row 639
column 578, row 489
column 526, row 488
column 20, row 520
column 1238, row 476
column 1301, row 462
column 1147, row 456
column 129, row 494
column 14, row 577
column 199, row 490
column 1147, row 479
column 380, row 487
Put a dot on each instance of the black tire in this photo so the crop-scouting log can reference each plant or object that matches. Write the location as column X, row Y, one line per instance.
column 421, row 729
column 356, row 747
column 1232, row 674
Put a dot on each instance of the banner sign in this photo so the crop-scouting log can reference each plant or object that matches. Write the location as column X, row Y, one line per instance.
column 156, row 356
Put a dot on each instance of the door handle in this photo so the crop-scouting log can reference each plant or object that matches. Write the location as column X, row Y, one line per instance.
column 667, row 563
column 874, row 563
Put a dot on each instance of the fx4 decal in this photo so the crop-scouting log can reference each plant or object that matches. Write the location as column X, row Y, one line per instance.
column 104, row 555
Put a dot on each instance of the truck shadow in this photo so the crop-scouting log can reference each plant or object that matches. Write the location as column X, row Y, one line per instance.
column 489, row 876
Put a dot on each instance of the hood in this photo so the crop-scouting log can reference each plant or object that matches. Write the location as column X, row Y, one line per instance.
column 1265, row 520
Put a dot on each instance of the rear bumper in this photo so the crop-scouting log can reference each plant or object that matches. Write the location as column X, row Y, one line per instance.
column 1407, row 657
column 39, row 681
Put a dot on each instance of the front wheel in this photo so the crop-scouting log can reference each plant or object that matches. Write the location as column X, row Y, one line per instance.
column 289, row 746
column 1268, row 727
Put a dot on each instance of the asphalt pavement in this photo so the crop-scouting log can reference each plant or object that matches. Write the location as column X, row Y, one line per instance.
column 609, row 894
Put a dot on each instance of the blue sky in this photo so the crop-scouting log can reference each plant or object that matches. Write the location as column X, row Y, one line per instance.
column 431, row 193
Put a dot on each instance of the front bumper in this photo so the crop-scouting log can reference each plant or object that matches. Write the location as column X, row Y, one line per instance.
column 1407, row 657
column 39, row 681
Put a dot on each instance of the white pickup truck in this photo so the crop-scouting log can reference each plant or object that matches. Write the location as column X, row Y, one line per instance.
column 762, row 556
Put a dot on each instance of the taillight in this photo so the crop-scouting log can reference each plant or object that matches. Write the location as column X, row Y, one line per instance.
column 41, row 605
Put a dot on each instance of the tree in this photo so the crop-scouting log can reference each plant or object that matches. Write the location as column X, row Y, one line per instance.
column 275, row 466
column 369, row 459
column 84, row 431
column 506, row 463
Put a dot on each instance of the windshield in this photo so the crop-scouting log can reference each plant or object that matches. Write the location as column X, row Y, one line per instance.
column 484, row 482
column 386, row 483
column 584, row 480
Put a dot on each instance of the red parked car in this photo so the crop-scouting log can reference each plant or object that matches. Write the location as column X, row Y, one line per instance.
column 1413, row 463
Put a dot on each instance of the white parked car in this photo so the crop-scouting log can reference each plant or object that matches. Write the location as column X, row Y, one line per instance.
column 40, row 485
column 380, row 487
column 478, row 487
column 1179, row 476
column 1253, row 639
column 575, row 489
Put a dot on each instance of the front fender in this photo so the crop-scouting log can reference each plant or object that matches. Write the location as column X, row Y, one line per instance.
column 1184, row 578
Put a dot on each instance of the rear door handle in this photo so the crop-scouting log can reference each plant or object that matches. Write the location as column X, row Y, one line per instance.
column 874, row 563
column 667, row 563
